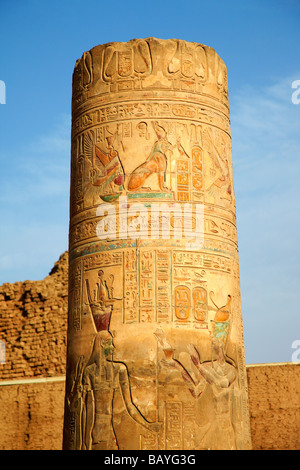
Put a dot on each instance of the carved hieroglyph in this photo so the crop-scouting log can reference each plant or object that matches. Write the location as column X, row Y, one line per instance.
column 155, row 337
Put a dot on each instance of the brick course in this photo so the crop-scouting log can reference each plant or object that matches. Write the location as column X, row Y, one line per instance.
column 33, row 324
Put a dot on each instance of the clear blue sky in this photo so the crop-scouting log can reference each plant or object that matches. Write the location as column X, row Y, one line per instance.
column 259, row 42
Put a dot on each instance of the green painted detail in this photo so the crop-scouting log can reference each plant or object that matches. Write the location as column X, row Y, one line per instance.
column 150, row 195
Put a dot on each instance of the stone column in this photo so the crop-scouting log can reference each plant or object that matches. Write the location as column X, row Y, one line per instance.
column 155, row 338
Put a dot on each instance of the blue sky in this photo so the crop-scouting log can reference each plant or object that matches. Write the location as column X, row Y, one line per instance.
column 259, row 42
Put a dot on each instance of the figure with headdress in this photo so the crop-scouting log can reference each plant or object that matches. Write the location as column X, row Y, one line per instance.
column 156, row 162
column 101, row 305
column 221, row 321
column 221, row 185
column 219, row 374
column 98, row 380
column 107, row 167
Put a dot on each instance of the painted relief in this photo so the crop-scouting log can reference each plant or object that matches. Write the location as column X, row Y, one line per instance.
column 219, row 187
column 156, row 162
column 156, row 352
column 200, row 304
column 92, row 395
column 122, row 64
column 221, row 321
column 163, row 298
column 193, row 61
column 101, row 301
column 75, row 294
column 219, row 375
column 184, row 66
column 183, row 180
column 182, row 302
column 147, row 286
column 107, row 169
column 131, row 300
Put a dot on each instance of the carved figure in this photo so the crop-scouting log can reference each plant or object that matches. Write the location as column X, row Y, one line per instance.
column 156, row 162
column 219, row 374
column 112, row 177
column 223, row 313
column 221, row 321
column 223, row 182
column 195, row 386
column 151, row 137
column 102, row 304
column 100, row 379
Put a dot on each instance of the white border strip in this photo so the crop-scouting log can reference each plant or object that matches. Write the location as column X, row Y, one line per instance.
column 269, row 364
column 33, row 380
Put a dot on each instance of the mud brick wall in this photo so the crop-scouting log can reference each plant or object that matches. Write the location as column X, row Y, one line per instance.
column 33, row 325
column 274, row 402
column 31, row 416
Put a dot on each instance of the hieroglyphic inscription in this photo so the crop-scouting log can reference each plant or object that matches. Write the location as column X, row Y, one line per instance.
column 147, row 286
column 200, row 306
column 198, row 174
column 148, row 282
column 189, row 426
column 148, row 442
column 174, row 428
column 183, row 183
column 150, row 125
column 182, row 303
column 131, row 301
column 99, row 260
column 224, row 229
column 191, row 305
column 124, row 113
column 163, row 298
column 134, row 66
column 75, row 294
column 202, row 260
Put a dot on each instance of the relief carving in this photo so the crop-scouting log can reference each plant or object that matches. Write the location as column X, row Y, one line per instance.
column 127, row 62
column 155, row 358
column 220, row 375
column 149, row 63
column 93, row 394
column 156, row 162
column 107, row 169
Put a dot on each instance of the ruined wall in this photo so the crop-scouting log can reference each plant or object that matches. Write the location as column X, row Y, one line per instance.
column 31, row 416
column 274, row 401
column 33, row 323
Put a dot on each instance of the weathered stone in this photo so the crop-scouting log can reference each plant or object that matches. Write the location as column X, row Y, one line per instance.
column 26, row 326
column 155, row 336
